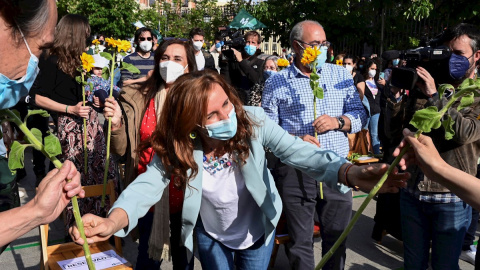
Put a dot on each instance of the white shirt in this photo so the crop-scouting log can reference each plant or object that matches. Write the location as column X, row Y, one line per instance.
column 200, row 59
column 228, row 211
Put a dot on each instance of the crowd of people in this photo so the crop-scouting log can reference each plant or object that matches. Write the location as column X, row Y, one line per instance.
column 217, row 143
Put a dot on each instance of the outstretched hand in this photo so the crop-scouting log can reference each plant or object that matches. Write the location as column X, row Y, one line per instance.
column 367, row 176
column 96, row 228
column 422, row 153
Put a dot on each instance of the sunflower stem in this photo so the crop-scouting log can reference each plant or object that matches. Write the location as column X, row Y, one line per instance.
column 107, row 161
column 85, row 151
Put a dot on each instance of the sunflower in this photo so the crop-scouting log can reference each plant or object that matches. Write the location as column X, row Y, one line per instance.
column 123, row 45
column 310, row 55
column 283, row 62
column 87, row 61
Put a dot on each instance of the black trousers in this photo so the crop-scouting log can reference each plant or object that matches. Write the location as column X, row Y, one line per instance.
column 301, row 202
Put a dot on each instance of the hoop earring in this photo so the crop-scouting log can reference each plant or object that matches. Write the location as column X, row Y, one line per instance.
column 193, row 135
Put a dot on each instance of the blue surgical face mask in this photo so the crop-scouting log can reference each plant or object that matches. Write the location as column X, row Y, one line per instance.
column 219, row 44
column 250, row 49
column 458, row 66
column 268, row 73
column 223, row 129
column 321, row 58
column 12, row 90
column 395, row 62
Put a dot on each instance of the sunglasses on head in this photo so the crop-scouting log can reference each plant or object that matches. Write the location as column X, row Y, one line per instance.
column 143, row 39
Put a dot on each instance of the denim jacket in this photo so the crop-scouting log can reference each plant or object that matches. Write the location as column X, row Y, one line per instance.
column 461, row 152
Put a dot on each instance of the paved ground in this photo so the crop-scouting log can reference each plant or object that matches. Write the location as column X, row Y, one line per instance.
column 362, row 253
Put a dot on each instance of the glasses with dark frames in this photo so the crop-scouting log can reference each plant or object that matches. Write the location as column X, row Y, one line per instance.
column 143, row 39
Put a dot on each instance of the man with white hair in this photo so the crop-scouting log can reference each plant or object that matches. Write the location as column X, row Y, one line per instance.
column 288, row 100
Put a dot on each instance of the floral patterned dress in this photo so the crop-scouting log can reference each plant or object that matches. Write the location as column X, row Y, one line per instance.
column 70, row 134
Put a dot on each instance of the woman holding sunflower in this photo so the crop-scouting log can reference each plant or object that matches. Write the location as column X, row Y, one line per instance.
column 60, row 94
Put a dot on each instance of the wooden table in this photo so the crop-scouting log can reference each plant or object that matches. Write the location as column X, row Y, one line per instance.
column 66, row 251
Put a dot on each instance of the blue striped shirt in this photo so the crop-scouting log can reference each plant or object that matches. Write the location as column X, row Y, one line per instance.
column 143, row 64
column 288, row 100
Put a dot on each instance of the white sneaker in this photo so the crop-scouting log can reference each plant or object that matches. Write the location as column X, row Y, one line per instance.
column 469, row 255
column 21, row 194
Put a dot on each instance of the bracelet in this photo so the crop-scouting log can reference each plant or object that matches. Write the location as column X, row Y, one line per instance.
column 346, row 179
column 66, row 109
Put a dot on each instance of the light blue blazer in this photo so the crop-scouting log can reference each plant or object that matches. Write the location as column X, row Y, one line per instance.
column 322, row 165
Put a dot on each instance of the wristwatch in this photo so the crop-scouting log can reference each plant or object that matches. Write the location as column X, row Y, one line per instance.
column 341, row 122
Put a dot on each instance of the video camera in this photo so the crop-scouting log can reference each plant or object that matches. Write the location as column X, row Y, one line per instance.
column 231, row 40
column 433, row 59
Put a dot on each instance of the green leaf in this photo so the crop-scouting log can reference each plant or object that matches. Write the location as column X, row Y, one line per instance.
column 105, row 76
column 52, row 145
column 318, row 92
column 448, row 126
column 443, row 87
column 42, row 113
column 17, row 155
column 78, row 79
column 123, row 54
column 106, row 56
column 130, row 68
column 466, row 101
column 426, row 119
column 466, row 83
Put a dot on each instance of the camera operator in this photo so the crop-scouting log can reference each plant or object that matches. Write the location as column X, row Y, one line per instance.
column 429, row 211
column 244, row 69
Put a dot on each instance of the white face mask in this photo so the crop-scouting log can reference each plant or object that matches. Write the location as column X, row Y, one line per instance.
column 372, row 73
column 146, row 45
column 349, row 68
column 170, row 71
column 197, row 45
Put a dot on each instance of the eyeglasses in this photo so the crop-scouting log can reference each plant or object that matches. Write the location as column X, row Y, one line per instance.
column 315, row 44
column 143, row 39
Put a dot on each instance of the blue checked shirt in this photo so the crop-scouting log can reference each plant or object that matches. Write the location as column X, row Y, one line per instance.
column 288, row 100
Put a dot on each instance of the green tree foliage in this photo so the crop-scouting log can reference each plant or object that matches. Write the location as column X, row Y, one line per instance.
column 360, row 20
column 111, row 17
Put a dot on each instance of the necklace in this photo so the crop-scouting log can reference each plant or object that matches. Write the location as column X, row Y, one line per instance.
column 216, row 164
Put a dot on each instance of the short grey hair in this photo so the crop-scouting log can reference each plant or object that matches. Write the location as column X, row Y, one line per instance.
column 30, row 16
column 274, row 59
column 297, row 30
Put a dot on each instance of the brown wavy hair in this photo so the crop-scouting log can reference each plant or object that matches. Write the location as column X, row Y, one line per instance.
column 70, row 42
column 184, row 111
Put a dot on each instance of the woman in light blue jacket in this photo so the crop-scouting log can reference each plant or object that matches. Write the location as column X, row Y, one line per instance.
column 214, row 147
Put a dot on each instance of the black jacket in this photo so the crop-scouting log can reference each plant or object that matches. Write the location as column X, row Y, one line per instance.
column 209, row 61
column 243, row 75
